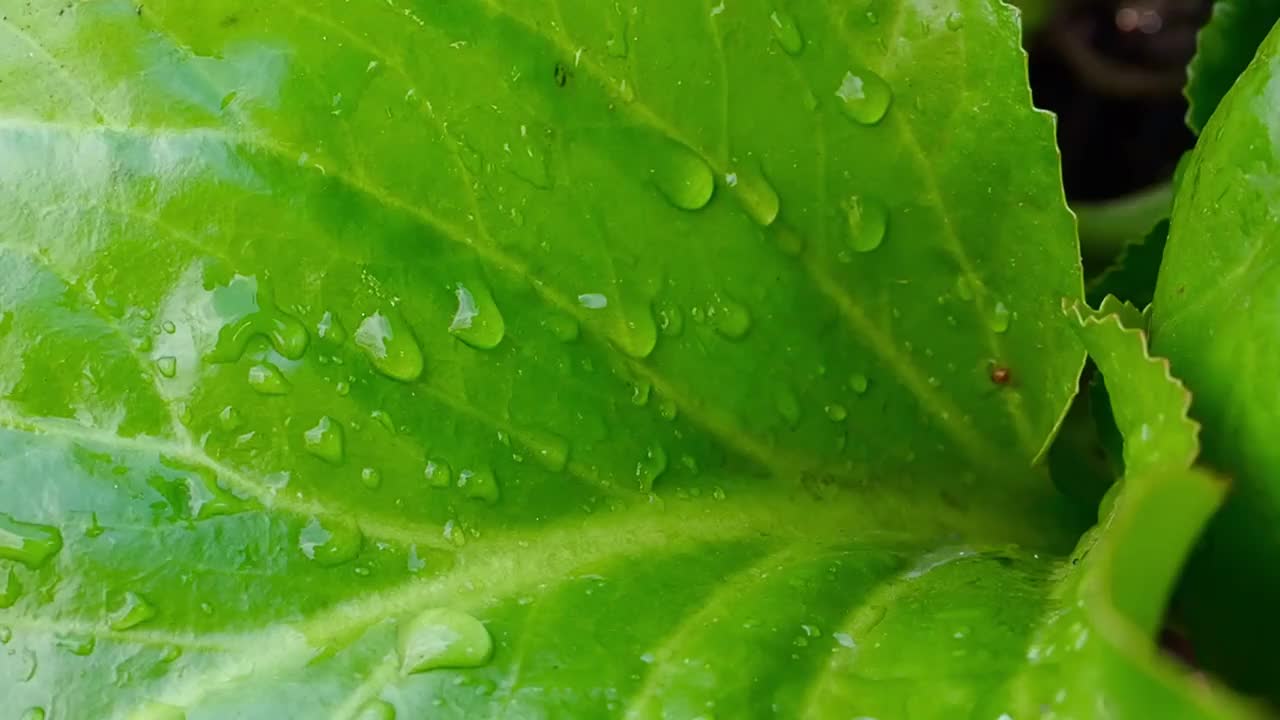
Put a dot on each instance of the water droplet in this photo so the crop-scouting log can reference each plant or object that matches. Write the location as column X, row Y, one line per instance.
column 683, row 177
column 757, row 197
column 377, row 710
column 786, row 32
column 593, row 301
column 325, row 440
column 134, row 610
column 667, row 408
column 229, row 419
column 640, row 389
column 964, row 289
column 266, row 379
column 6, row 634
column 718, row 493
column 563, row 327
column 477, row 321
column 788, row 407
column 167, row 365
column 865, row 96
column 33, row 713
column 10, row 589
column 371, row 478
column 94, row 529
column 729, row 318
column 169, row 327
column 858, row 383
column 438, row 473
column 670, row 319
column 549, row 449
column 868, row 219
column 391, row 347
column 28, row 543
column 836, row 412
column 383, row 418
column 257, row 317
column 479, row 484
column 343, row 388
column 79, row 645
column 443, row 638
column 330, row 329
column 650, row 467
column 955, row 21
column 331, row 543
column 998, row 320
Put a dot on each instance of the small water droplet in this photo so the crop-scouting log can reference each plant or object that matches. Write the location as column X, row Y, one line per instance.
column 438, row 473
column 788, row 407
column 79, row 645
column 10, row 589
column 718, row 493
column 593, row 301
column 650, row 467
column 477, row 321
column 955, row 21
column 331, row 543
column 786, row 32
column 667, row 408
column 836, row 412
column 683, row 177
column 377, row 710
column 865, row 96
column 325, row 440
column 390, row 346
column 28, row 543
column 6, row 634
column 730, row 318
column 998, row 319
column 858, row 383
column 266, row 379
column 479, row 484
column 964, row 289
column 229, row 419
column 371, row 478
column 133, row 610
column 670, row 319
column 384, row 419
column 33, row 713
column 167, row 365
column 640, row 392
column 868, row 219
column 443, row 638
column 343, row 388
column 169, row 327
column 330, row 329
column 757, row 196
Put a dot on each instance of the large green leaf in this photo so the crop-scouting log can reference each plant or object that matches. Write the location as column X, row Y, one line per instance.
column 1215, row 317
column 533, row 360
column 1224, row 47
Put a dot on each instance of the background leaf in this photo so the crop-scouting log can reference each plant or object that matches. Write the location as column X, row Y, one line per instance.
column 1224, row 48
column 1214, row 317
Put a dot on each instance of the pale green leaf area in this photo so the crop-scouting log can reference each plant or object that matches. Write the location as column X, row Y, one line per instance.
column 1214, row 316
column 546, row 360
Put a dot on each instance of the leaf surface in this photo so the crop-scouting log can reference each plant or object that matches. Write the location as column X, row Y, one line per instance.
column 1224, row 48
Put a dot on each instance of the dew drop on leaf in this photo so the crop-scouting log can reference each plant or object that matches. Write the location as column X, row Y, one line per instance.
column 786, row 32
column 670, row 319
column 325, row 440
column 133, row 610
column 390, row 346
column 330, row 329
column 593, row 301
column 169, row 327
column 6, row 634
column 438, row 473
column 443, row 638
column 371, row 478
column 650, row 467
column 868, row 221
column 477, row 321
column 788, row 407
column 864, row 96
column 836, row 412
column 998, row 318
column 757, row 196
column 31, row 544
column 167, row 365
column 229, row 419
column 266, row 379
column 640, row 390
column 33, row 713
column 858, row 383
column 331, row 543
column 964, row 289
column 10, row 589
column 255, row 316
column 479, row 484
column 376, row 710
column 955, row 21
column 731, row 319
column 683, row 177
column 78, row 645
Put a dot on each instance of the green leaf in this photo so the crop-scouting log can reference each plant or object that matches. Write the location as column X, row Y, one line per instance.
column 533, row 360
column 1224, row 47
column 1214, row 317
column 1133, row 276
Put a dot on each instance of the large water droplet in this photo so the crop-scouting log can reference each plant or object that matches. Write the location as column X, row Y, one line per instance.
column 955, row 21
column 28, row 543
column 331, row 543
column 864, row 95
column 443, row 638
column 438, row 473
column 10, row 589
column 756, row 196
column 730, row 318
column 868, row 220
column 549, row 449
column 477, row 321
column 377, row 710
column 167, row 365
column 683, row 177
column 257, row 316
column 480, row 484
column 786, row 32
column 650, row 467
column 330, row 329
column 33, row 713
column 266, row 379
column 325, row 440
column 998, row 319
column 390, row 345
column 79, row 645
column 133, row 610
